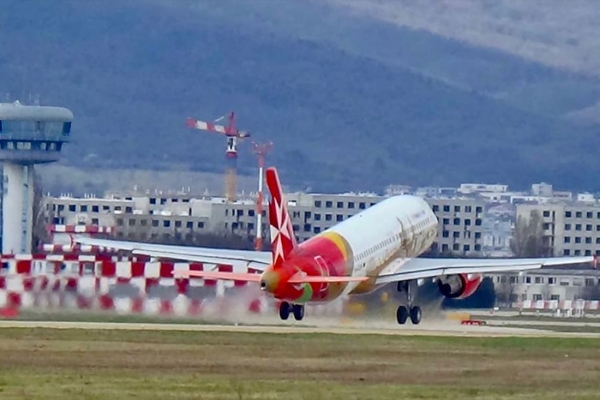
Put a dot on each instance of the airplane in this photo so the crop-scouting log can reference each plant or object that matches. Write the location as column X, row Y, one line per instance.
column 378, row 246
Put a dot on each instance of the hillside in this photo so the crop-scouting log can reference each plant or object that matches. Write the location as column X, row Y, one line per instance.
column 350, row 103
column 563, row 34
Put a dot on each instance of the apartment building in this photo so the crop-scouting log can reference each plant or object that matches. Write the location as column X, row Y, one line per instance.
column 460, row 228
column 142, row 217
column 548, row 285
column 570, row 229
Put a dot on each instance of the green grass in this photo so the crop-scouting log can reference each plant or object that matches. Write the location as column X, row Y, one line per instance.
column 38, row 363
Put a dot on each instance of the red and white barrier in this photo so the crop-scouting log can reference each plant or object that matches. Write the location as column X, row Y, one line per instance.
column 79, row 248
column 107, row 267
column 63, row 239
column 92, row 229
column 98, row 293
column 91, row 282
column 593, row 305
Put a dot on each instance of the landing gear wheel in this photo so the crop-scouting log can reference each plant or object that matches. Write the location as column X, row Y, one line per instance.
column 284, row 310
column 415, row 315
column 402, row 315
column 298, row 312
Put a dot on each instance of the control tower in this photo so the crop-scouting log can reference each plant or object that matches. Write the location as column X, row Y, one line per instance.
column 29, row 135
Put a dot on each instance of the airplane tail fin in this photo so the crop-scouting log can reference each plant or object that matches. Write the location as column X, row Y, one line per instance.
column 283, row 240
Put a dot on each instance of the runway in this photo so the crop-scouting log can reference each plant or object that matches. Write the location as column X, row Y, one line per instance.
column 437, row 329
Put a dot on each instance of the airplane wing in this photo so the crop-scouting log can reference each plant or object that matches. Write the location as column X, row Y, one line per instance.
column 420, row 268
column 257, row 260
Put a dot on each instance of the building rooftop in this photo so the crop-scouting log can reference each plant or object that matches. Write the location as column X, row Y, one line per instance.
column 17, row 110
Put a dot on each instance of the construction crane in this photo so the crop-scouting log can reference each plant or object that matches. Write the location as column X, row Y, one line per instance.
column 233, row 135
column 261, row 150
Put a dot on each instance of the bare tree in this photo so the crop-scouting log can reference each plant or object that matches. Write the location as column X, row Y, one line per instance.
column 528, row 237
column 505, row 290
column 591, row 293
column 545, row 290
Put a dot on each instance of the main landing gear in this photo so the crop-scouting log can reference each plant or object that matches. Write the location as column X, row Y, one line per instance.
column 404, row 312
column 286, row 308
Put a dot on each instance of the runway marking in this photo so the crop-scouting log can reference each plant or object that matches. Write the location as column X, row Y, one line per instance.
column 401, row 330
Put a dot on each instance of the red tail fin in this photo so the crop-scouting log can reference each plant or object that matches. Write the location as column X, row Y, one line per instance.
column 283, row 240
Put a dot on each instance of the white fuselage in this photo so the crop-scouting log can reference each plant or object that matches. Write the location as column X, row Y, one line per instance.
column 398, row 227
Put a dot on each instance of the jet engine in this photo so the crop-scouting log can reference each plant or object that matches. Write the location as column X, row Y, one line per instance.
column 458, row 286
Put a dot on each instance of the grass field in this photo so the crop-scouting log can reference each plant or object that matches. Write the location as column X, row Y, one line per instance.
column 87, row 364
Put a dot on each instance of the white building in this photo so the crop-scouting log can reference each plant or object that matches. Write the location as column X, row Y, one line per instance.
column 586, row 198
column 542, row 189
column 548, row 285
